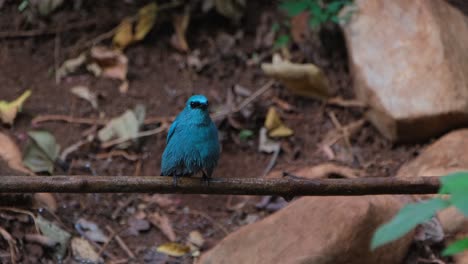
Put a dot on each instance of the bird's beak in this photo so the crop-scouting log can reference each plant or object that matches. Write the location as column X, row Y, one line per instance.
column 204, row 106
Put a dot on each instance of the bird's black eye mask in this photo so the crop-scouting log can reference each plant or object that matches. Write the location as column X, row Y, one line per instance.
column 202, row 106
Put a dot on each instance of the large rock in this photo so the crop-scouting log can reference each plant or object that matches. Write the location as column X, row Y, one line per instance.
column 409, row 61
column 315, row 230
column 446, row 155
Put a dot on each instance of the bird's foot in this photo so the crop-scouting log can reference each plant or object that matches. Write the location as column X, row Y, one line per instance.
column 206, row 179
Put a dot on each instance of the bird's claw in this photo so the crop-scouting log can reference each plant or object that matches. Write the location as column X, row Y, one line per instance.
column 206, row 180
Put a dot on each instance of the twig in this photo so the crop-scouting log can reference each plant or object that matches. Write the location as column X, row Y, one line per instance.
column 11, row 244
column 272, row 162
column 69, row 119
column 338, row 101
column 74, row 147
column 246, row 102
column 118, row 141
column 119, row 208
column 209, row 218
column 91, row 121
column 20, row 211
column 121, row 243
column 104, row 247
column 121, row 153
column 225, row 186
column 53, row 31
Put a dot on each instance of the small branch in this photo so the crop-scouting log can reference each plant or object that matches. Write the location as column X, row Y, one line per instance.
column 246, row 102
column 139, row 135
column 247, row 186
column 121, row 243
column 53, row 31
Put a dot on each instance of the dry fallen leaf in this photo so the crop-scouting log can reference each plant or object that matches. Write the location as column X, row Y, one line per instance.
column 91, row 230
column 125, row 35
column 275, row 126
column 146, row 18
column 55, row 233
column 11, row 154
column 71, row 65
column 46, row 200
column 8, row 110
column 114, row 63
column 180, row 23
column 125, row 126
column 83, row 251
column 162, row 222
column 302, row 79
column 196, row 238
column 41, row 152
column 173, row 249
column 84, row 93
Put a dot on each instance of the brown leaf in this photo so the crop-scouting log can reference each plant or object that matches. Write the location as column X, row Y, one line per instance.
column 180, row 23
column 114, row 63
column 11, row 154
column 162, row 222
column 300, row 27
column 45, row 200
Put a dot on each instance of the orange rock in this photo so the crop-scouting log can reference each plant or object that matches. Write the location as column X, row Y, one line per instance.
column 409, row 61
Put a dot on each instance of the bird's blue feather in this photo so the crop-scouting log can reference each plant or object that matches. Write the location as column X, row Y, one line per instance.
column 192, row 141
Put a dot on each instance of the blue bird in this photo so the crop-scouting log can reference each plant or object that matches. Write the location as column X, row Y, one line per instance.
column 192, row 144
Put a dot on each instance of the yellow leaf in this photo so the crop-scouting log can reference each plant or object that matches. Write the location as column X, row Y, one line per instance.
column 173, row 249
column 124, row 35
column 272, row 119
column 146, row 18
column 8, row 110
column 275, row 126
column 302, row 79
column 281, row 131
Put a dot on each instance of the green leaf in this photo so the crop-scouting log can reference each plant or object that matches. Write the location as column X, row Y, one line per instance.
column 457, row 247
column 407, row 218
column 245, row 134
column 456, row 184
column 335, row 7
column 41, row 152
column 294, row 8
column 281, row 41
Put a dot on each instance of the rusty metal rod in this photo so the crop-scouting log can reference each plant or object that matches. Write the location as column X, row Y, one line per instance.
column 287, row 187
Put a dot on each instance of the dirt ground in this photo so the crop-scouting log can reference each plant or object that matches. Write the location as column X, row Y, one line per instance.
column 158, row 81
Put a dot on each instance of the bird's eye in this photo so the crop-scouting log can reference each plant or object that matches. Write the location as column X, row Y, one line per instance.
column 195, row 104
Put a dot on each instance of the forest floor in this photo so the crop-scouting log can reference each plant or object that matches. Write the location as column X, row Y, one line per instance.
column 160, row 79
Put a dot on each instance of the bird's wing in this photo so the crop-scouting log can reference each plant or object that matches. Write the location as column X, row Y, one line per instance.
column 171, row 131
